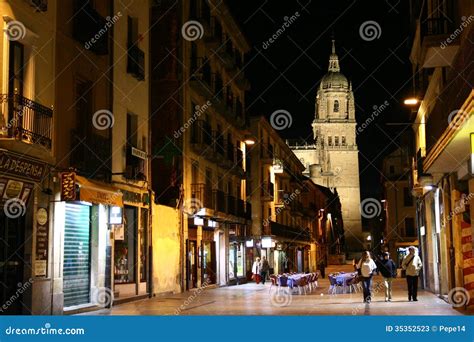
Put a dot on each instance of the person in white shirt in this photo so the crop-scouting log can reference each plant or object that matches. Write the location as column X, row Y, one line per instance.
column 412, row 266
column 256, row 268
column 366, row 267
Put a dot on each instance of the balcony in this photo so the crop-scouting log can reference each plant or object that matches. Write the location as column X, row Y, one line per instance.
column 457, row 89
column 296, row 208
column 241, row 208
column 201, row 194
column 201, row 137
column 91, row 155
column 267, row 191
column 231, row 205
column 289, row 233
column 220, row 203
column 28, row 121
column 435, row 49
column 201, row 77
column 281, row 197
column 248, row 210
column 136, row 62
column 87, row 23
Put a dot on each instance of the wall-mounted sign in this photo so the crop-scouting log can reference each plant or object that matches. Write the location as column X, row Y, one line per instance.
column 68, row 186
column 138, row 153
column 13, row 189
column 119, row 232
column 115, row 215
column 42, row 242
column 22, row 167
column 42, row 216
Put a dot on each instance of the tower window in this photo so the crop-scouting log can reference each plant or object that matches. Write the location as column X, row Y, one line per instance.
column 336, row 106
column 330, row 141
column 343, row 142
column 336, row 141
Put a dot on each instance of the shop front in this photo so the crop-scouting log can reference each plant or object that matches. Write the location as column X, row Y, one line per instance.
column 203, row 253
column 24, row 233
column 237, row 255
column 86, row 214
column 131, row 246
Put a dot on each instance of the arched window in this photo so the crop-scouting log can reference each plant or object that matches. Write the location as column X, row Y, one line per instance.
column 336, row 106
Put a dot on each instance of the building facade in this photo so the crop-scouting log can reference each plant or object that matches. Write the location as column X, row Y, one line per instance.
column 201, row 154
column 289, row 223
column 441, row 57
column 332, row 159
column 399, row 205
column 27, row 146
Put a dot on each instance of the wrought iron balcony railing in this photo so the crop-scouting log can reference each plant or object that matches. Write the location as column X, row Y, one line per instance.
column 28, row 120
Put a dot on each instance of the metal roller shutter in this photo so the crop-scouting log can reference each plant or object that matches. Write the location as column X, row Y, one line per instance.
column 76, row 269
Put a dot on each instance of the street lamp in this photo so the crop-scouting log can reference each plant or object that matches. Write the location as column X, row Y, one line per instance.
column 249, row 140
column 411, row 101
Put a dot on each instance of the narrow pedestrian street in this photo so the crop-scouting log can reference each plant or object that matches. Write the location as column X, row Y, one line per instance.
column 253, row 299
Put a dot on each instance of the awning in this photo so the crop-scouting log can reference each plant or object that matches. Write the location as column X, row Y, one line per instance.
column 98, row 192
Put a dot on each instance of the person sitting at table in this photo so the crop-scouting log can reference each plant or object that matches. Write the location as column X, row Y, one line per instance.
column 366, row 267
column 256, row 270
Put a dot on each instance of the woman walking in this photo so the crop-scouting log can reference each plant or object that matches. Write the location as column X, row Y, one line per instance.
column 366, row 268
column 256, row 270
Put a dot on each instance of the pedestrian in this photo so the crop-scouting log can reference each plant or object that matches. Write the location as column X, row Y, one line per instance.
column 264, row 268
column 322, row 268
column 366, row 267
column 389, row 271
column 256, row 270
column 412, row 266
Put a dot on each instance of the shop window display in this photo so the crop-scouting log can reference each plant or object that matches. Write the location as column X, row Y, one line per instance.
column 125, row 249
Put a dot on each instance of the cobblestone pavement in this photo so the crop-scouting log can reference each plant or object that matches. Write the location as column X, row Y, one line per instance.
column 253, row 299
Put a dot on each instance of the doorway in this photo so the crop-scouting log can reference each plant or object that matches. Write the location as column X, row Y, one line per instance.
column 191, row 264
column 12, row 233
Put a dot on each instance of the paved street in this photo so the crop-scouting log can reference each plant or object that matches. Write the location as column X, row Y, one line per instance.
column 252, row 299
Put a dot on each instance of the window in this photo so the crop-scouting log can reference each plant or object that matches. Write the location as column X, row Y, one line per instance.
column 343, row 141
column 409, row 226
column 330, row 141
column 407, row 198
column 336, row 106
column 132, row 126
column 336, row 141
column 16, row 67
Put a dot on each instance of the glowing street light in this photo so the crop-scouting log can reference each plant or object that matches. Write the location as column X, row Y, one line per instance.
column 412, row 101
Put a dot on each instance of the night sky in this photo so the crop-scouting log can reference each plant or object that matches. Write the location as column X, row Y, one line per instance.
column 286, row 74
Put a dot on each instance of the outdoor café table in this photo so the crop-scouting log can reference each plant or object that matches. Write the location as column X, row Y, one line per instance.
column 344, row 278
column 293, row 279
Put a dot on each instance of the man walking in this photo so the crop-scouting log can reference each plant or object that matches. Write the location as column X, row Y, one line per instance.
column 412, row 266
column 389, row 271
column 265, row 267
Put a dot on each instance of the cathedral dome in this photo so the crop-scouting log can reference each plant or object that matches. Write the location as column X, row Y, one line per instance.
column 334, row 80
